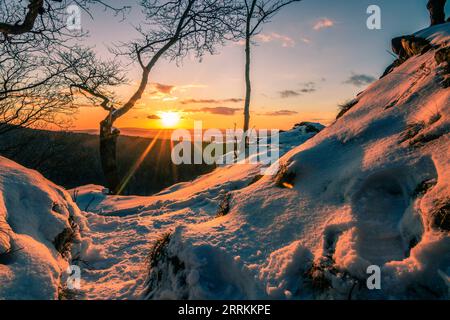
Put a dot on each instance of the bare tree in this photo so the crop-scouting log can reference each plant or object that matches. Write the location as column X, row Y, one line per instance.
column 33, row 34
column 255, row 13
column 30, row 33
column 38, row 92
column 42, row 19
column 173, row 29
column 29, row 91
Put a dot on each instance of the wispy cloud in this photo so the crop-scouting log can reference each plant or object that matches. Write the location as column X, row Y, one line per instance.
column 167, row 92
column 226, row 111
column 163, row 88
column 286, row 41
column 360, row 80
column 306, row 40
column 308, row 87
column 211, row 101
column 153, row 117
column 279, row 113
column 289, row 94
column 323, row 23
column 159, row 91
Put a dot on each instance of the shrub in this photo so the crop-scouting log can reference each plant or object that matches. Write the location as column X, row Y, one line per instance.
column 321, row 274
column 163, row 266
column 63, row 241
column 64, row 293
column 423, row 187
column 411, row 131
column 345, row 107
column 423, row 139
column 7, row 256
column 440, row 215
column 285, row 178
column 224, row 206
column 434, row 118
column 159, row 249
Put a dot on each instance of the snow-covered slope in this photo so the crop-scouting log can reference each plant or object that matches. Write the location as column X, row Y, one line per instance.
column 372, row 189
column 39, row 234
column 126, row 227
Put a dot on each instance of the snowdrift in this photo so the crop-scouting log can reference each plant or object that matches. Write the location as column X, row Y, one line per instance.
column 39, row 234
column 370, row 190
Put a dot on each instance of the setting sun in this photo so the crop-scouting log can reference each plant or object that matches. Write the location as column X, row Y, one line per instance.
column 170, row 119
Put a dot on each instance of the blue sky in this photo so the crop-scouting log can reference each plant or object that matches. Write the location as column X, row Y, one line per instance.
column 311, row 66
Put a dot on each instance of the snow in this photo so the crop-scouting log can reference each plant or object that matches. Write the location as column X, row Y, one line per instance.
column 437, row 34
column 126, row 226
column 367, row 191
column 33, row 212
column 353, row 205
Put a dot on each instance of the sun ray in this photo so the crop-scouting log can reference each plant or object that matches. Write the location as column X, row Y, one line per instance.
column 138, row 163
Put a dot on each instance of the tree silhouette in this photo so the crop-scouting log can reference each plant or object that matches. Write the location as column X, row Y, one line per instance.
column 33, row 38
column 172, row 30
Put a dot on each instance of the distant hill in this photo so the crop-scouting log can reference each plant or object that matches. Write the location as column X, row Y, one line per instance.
column 135, row 132
column 72, row 159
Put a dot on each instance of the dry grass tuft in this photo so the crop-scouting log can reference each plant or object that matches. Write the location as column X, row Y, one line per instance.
column 285, row 178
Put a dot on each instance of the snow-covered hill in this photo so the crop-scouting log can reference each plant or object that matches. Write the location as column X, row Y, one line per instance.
column 371, row 189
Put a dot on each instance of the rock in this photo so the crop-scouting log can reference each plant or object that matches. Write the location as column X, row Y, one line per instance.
column 415, row 46
column 408, row 46
column 437, row 11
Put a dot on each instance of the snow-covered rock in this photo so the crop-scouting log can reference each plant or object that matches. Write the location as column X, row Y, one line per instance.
column 370, row 190
column 36, row 218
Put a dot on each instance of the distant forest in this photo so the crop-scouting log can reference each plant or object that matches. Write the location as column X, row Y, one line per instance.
column 72, row 159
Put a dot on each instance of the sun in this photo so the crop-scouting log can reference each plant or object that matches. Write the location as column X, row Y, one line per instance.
column 170, row 119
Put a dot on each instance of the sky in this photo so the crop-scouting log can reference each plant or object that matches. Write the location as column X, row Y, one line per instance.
column 311, row 57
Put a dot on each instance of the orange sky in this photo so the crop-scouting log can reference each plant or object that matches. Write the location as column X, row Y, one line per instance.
column 307, row 60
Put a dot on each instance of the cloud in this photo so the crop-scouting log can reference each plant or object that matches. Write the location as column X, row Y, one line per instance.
column 153, row 117
column 289, row 94
column 286, row 41
column 280, row 113
column 323, row 23
column 308, row 87
column 163, row 88
column 159, row 91
column 211, row 101
column 360, row 80
column 226, row 111
column 306, row 40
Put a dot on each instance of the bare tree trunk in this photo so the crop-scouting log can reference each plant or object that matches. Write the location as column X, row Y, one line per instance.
column 248, row 87
column 108, row 155
column 437, row 11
